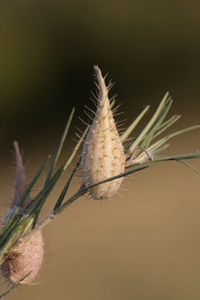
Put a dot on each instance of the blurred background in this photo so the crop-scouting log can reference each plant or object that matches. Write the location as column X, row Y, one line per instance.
column 144, row 243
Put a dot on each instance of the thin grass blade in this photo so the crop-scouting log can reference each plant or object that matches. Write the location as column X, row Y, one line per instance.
column 191, row 155
column 62, row 195
column 129, row 130
column 189, row 166
column 170, row 136
column 140, row 138
column 13, row 286
column 66, row 130
column 69, row 160
column 166, row 125
column 157, row 123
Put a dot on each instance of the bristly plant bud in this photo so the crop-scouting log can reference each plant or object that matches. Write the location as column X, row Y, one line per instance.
column 103, row 155
column 27, row 255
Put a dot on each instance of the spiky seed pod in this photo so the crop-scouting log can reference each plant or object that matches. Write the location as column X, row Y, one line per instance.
column 27, row 255
column 103, row 155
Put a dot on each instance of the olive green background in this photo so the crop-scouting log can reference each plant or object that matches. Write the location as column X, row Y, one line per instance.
column 144, row 243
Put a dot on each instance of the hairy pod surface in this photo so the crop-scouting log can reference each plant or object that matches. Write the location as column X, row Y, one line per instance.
column 24, row 258
column 103, row 155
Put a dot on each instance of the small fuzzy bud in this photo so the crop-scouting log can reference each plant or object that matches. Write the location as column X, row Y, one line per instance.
column 103, row 155
column 25, row 257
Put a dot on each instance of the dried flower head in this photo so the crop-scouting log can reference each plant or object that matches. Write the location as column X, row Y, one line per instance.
column 103, row 154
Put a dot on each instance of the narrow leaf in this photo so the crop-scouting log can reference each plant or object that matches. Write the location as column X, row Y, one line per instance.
column 62, row 195
column 167, row 124
column 66, row 130
column 128, row 131
column 149, row 125
column 13, row 286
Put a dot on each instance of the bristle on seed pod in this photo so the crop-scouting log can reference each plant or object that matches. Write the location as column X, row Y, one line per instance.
column 103, row 155
column 27, row 255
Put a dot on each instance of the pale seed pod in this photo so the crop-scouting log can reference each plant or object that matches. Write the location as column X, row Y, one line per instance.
column 24, row 258
column 27, row 255
column 103, row 155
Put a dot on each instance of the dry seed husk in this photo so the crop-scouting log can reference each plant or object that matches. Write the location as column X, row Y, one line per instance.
column 103, row 154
